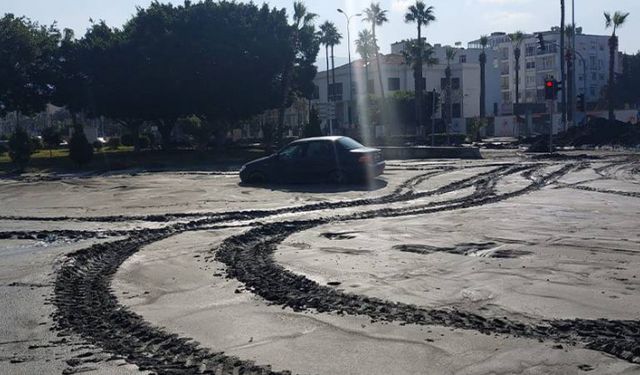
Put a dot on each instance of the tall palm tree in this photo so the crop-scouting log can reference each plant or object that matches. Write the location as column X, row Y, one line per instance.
column 323, row 36
column 302, row 18
column 450, row 55
column 376, row 16
column 517, row 39
column 615, row 21
column 422, row 15
column 484, row 41
column 366, row 48
column 417, row 55
column 330, row 37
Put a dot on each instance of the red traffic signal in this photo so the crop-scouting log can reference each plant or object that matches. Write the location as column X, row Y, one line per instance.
column 550, row 89
column 550, row 84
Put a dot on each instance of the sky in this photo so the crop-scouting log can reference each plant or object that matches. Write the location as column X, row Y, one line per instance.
column 457, row 20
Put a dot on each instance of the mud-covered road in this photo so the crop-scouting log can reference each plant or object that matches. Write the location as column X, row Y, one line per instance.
column 88, row 290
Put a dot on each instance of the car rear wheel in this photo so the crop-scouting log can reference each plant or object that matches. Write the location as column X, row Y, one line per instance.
column 257, row 178
column 337, row 177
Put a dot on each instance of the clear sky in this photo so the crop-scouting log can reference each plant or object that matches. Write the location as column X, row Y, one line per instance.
column 457, row 20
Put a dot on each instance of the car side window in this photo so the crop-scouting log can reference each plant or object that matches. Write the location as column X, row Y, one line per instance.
column 320, row 151
column 293, row 152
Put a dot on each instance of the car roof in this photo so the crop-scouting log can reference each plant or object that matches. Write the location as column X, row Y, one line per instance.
column 313, row 139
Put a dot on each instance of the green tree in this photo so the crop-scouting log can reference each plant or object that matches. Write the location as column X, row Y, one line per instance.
column 376, row 16
column 27, row 65
column 51, row 137
column 517, row 39
column 330, row 37
column 20, row 148
column 613, row 21
column 313, row 127
column 628, row 93
column 450, row 53
column 421, row 15
column 199, row 131
column 302, row 24
column 484, row 41
column 80, row 150
column 367, row 49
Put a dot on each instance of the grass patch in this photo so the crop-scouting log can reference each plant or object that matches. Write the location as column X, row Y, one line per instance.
column 57, row 161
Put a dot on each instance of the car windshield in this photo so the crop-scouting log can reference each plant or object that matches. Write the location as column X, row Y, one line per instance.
column 349, row 143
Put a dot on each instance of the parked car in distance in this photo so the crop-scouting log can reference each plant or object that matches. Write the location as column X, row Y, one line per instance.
column 336, row 160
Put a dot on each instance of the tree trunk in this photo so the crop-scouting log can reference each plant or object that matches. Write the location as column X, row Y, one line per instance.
column 613, row 45
column 165, row 127
column 483, row 85
column 418, row 81
column 516, row 110
column 383, row 106
column 328, row 81
column 333, row 80
column 449, row 104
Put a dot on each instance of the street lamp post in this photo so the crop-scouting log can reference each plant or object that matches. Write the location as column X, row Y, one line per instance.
column 349, row 54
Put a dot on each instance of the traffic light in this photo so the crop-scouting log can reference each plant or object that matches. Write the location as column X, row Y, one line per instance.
column 541, row 44
column 581, row 104
column 550, row 89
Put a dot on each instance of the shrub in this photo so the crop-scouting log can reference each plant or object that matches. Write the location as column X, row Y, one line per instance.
column 127, row 139
column 36, row 144
column 97, row 145
column 113, row 143
column 3, row 149
column 51, row 137
column 312, row 129
column 20, row 148
column 80, row 150
column 144, row 141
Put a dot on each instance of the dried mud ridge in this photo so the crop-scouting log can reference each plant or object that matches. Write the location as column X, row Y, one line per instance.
column 87, row 306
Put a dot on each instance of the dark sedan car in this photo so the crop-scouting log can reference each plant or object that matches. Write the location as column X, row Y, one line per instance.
column 329, row 159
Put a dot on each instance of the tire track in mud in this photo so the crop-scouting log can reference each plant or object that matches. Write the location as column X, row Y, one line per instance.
column 395, row 196
column 86, row 305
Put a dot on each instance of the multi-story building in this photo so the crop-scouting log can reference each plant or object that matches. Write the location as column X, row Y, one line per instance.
column 341, row 105
column 535, row 66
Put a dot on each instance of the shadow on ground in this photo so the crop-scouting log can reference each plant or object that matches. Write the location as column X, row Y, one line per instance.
column 374, row 185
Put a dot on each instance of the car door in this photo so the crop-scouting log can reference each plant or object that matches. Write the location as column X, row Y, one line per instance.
column 320, row 160
column 291, row 163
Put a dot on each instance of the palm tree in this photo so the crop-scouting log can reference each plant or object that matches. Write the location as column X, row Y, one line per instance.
column 450, row 54
column 323, row 36
column 615, row 21
column 517, row 39
column 366, row 48
column 484, row 41
column 301, row 19
column 416, row 55
column 422, row 16
column 376, row 16
column 330, row 37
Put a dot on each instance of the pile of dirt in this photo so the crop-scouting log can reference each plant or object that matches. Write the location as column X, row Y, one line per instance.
column 597, row 132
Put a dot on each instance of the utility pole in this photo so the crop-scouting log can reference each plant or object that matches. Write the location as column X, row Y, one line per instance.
column 563, row 73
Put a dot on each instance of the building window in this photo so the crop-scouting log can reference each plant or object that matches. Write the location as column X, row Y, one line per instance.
column 443, row 83
column 548, row 62
column 455, row 83
column 371, row 89
column 463, row 59
column 504, row 53
column 456, row 110
column 335, row 92
column 531, row 80
column 393, row 84
column 531, row 49
column 504, row 83
column 506, row 97
column 531, row 64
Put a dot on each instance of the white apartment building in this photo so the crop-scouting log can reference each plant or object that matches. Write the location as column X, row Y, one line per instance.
column 397, row 76
column 536, row 66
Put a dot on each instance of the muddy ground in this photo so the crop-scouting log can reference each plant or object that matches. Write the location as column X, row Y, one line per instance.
column 507, row 265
